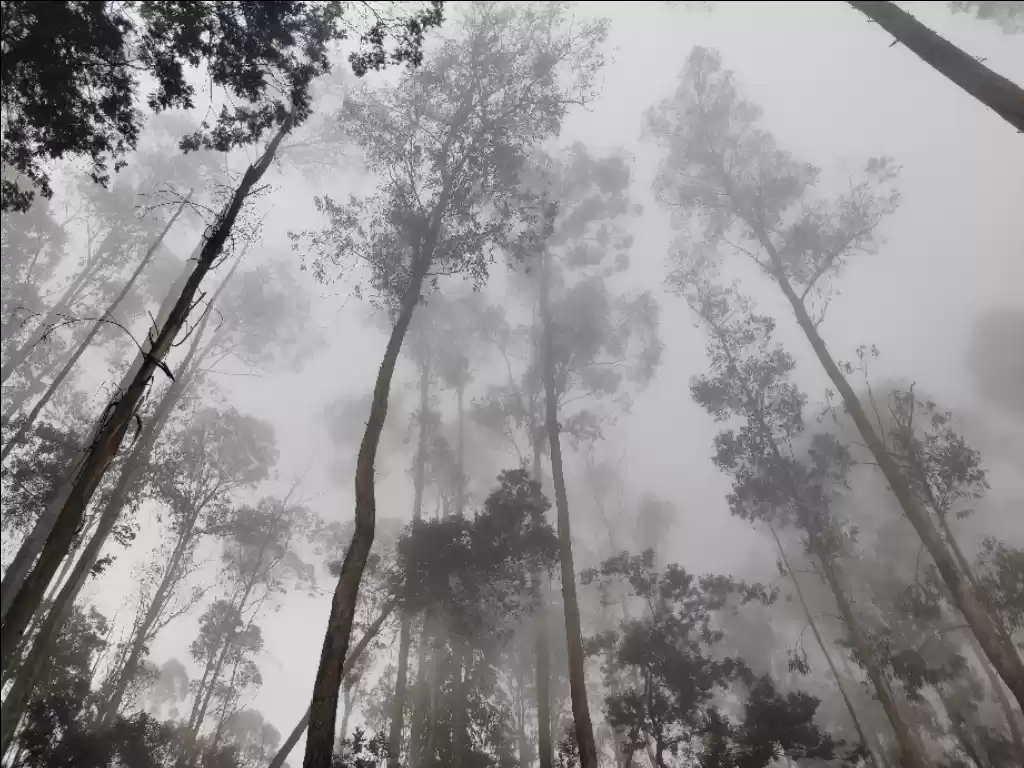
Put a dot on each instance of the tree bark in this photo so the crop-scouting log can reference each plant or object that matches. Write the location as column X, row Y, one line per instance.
column 82, row 482
column 324, row 704
column 998, row 93
column 27, row 422
column 824, row 648
column 357, row 650
column 126, row 483
column 997, row 646
column 542, row 674
column 397, row 724
column 573, row 631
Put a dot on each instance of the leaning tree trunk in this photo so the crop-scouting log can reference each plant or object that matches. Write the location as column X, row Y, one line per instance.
column 324, row 704
column 573, row 630
column 300, row 728
column 999, row 648
column 397, row 725
column 824, row 648
column 998, row 93
column 912, row 752
column 27, row 422
column 126, row 483
column 81, row 484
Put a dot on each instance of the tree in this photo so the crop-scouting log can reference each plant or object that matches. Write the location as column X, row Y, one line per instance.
column 662, row 674
column 85, row 98
column 205, row 462
column 750, row 378
column 583, row 200
column 21, row 599
column 998, row 93
column 725, row 174
column 449, row 140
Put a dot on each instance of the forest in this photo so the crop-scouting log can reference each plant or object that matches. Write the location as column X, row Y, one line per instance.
column 512, row 384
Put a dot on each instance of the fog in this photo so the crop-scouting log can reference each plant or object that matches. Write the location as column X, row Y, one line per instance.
column 605, row 218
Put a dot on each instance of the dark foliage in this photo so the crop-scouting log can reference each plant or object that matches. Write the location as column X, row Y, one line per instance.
column 72, row 71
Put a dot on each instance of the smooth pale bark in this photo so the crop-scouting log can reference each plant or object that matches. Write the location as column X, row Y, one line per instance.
column 81, row 484
column 573, row 631
column 357, row 650
column 326, row 688
column 397, row 724
column 998, row 93
column 27, row 422
column 822, row 645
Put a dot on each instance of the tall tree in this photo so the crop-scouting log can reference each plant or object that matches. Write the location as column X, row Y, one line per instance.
column 724, row 174
column 998, row 93
column 448, row 140
column 86, row 100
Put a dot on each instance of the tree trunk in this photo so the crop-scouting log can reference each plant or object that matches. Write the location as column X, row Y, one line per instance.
column 397, row 725
column 112, row 702
column 126, row 483
column 81, row 484
column 27, row 422
column 460, row 443
column 300, row 728
column 996, row 92
column 997, row 646
column 912, row 752
column 66, row 299
column 542, row 675
column 824, row 648
column 324, row 704
column 573, row 631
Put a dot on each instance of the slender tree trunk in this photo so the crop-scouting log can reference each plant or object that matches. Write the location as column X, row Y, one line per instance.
column 824, row 647
column 126, row 483
column 112, row 702
column 460, row 489
column 573, row 631
column 998, row 93
column 997, row 646
column 81, row 484
column 357, row 650
column 324, row 704
column 911, row 750
column 542, row 675
column 397, row 725
column 27, row 422
column 22, row 353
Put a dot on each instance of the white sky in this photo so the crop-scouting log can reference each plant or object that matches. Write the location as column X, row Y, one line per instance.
column 834, row 93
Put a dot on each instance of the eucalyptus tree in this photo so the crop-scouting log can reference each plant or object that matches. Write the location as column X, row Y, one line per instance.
column 448, row 141
column 293, row 46
column 774, row 483
column 725, row 180
column 998, row 93
column 663, row 673
column 591, row 341
column 204, row 462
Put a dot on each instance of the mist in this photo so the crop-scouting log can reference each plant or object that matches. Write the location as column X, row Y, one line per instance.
column 512, row 385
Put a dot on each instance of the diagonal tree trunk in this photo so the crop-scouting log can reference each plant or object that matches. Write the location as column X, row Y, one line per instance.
column 824, row 647
column 360, row 647
column 573, row 631
column 81, row 484
column 998, row 93
column 998, row 648
column 324, row 704
column 27, row 422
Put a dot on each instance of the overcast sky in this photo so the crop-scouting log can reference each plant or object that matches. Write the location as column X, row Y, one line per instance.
column 833, row 93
